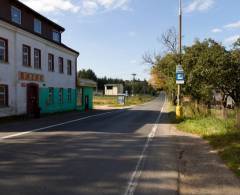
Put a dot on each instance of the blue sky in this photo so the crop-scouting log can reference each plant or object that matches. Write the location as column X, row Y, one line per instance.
column 112, row 35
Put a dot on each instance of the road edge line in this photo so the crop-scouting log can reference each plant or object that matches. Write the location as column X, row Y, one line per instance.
column 132, row 184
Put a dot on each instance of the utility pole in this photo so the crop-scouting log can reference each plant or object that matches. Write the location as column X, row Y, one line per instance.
column 179, row 108
column 180, row 30
column 134, row 76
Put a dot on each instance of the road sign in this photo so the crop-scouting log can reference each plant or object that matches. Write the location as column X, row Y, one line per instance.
column 121, row 98
column 180, row 75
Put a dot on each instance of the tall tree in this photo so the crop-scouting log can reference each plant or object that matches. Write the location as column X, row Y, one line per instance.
column 232, row 78
column 203, row 62
column 87, row 74
column 208, row 66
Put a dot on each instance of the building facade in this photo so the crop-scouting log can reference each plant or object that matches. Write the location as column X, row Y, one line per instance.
column 113, row 89
column 37, row 71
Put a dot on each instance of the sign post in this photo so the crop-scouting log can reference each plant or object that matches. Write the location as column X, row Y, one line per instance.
column 179, row 69
column 179, row 75
column 179, row 81
column 121, row 99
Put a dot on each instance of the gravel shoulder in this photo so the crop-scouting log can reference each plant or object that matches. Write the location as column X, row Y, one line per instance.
column 201, row 171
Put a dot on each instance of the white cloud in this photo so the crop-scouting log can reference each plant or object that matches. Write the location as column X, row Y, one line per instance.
column 233, row 25
column 216, row 30
column 109, row 4
column 232, row 39
column 52, row 5
column 85, row 7
column 199, row 5
column 90, row 7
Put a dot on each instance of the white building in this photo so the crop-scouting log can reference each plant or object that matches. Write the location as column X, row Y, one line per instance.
column 36, row 69
column 113, row 89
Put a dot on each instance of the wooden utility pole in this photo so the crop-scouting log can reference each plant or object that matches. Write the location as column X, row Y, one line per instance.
column 179, row 108
column 180, row 30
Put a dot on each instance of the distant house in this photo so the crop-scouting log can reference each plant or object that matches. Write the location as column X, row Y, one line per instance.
column 85, row 88
column 113, row 89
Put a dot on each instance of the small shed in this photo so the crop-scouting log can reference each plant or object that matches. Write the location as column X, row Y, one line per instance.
column 85, row 89
column 113, row 89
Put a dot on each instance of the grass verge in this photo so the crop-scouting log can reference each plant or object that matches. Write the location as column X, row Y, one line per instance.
column 222, row 135
column 112, row 100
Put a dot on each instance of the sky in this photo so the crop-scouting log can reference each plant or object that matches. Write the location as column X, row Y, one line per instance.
column 113, row 35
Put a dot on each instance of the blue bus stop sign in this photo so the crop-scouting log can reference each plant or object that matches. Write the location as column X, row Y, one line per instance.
column 180, row 75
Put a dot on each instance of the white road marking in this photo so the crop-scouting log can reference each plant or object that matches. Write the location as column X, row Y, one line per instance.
column 132, row 184
column 56, row 125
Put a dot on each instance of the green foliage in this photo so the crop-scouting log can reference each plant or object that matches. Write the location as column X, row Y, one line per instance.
column 206, row 126
column 140, row 87
column 112, row 100
column 222, row 135
column 203, row 64
column 208, row 66
column 231, row 76
column 104, row 80
column 163, row 72
column 87, row 74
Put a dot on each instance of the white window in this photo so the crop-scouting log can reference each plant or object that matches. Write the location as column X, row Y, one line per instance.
column 69, row 67
column 56, row 36
column 37, row 26
column 51, row 62
column 3, row 95
column 26, row 56
column 61, row 66
column 37, row 58
column 16, row 15
column 3, row 50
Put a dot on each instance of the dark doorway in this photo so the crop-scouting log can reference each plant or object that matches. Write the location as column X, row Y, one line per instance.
column 32, row 100
column 86, row 103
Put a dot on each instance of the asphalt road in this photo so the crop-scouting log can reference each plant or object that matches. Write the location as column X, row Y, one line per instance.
column 118, row 152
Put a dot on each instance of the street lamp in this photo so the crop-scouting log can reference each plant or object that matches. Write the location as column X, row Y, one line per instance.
column 134, row 76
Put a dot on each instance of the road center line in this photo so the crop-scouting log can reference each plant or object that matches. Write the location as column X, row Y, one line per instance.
column 56, row 125
column 132, row 184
